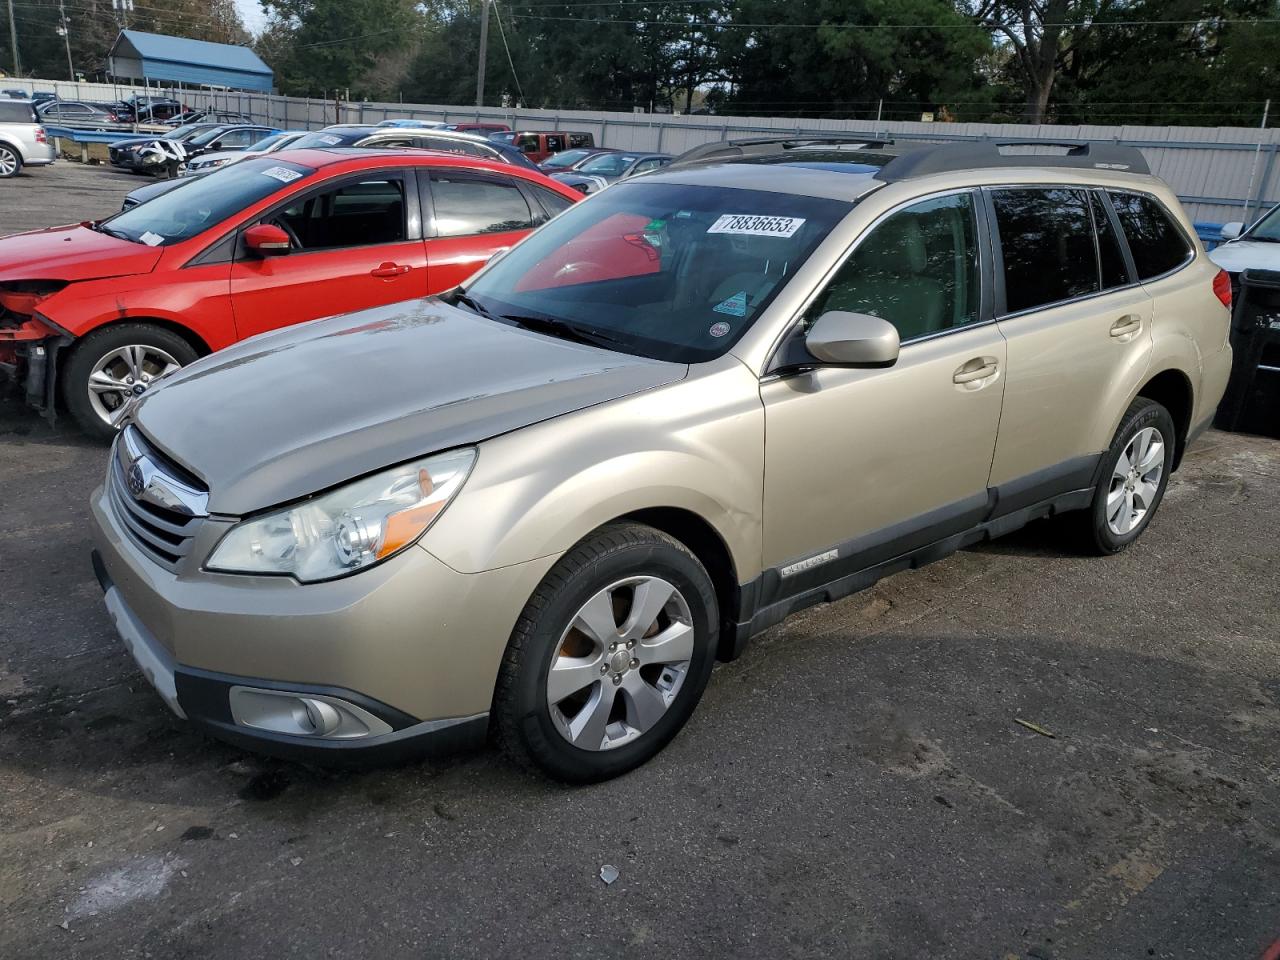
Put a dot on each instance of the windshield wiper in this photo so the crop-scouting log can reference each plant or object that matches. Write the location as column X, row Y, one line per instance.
column 97, row 225
column 563, row 329
column 472, row 303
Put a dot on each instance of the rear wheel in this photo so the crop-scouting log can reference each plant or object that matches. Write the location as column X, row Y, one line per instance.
column 10, row 162
column 110, row 368
column 1135, row 473
column 610, row 656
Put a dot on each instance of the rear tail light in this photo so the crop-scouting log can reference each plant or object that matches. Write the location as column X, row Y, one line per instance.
column 41, row 136
column 1222, row 288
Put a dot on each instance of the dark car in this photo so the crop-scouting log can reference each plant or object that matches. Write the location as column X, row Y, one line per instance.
column 228, row 137
column 165, row 155
column 43, row 96
column 147, row 110
column 127, row 153
column 598, row 172
column 567, row 160
column 71, row 111
column 208, row 116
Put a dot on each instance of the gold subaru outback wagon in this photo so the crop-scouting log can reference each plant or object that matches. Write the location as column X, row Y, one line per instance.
column 540, row 506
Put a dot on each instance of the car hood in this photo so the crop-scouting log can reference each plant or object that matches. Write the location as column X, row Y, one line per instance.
column 72, row 253
column 290, row 413
column 1240, row 255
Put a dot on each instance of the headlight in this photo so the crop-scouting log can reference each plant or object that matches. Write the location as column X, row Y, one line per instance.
column 349, row 528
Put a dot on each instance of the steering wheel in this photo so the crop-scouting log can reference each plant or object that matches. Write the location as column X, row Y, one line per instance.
column 283, row 224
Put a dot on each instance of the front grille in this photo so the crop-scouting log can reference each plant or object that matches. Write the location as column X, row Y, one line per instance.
column 165, row 533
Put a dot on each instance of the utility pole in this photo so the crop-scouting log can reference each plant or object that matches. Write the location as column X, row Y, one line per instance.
column 484, row 47
column 13, row 39
column 64, row 28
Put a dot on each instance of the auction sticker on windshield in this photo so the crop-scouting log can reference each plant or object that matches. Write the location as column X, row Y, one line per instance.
column 750, row 225
column 283, row 174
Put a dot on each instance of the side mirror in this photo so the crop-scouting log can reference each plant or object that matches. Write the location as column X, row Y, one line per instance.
column 267, row 240
column 853, row 340
column 1232, row 230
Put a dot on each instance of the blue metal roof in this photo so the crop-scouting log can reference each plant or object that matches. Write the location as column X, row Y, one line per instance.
column 154, row 56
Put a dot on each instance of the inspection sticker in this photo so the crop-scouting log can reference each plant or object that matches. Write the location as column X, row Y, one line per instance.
column 735, row 306
column 151, row 239
column 750, row 225
column 283, row 174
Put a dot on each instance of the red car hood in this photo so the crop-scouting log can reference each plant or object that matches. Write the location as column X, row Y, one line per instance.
column 72, row 253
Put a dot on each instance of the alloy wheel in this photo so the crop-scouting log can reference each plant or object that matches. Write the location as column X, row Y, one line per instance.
column 1135, row 481
column 8, row 163
column 124, row 374
column 620, row 663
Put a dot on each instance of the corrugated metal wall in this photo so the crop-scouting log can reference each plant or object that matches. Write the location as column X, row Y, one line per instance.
column 1216, row 170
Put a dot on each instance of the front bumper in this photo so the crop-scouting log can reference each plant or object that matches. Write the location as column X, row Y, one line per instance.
column 411, row 646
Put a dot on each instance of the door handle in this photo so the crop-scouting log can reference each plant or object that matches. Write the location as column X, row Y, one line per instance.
column 1128, row 324
column 979, row 368
column 388, row 270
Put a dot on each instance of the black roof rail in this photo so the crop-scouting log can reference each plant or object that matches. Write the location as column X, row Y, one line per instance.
column 977, row 155
column 764, row 146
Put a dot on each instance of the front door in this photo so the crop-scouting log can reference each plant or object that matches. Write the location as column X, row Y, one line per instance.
column 863, row 465
column 355, row 244
column 473, row 216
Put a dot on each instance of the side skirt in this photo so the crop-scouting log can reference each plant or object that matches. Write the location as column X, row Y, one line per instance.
column 861, row 563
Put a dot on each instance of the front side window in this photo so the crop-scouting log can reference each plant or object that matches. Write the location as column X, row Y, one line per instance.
column 466, row 206
column 237, row 139
column 581, row 140
column 918, row 270
column 1156, row 243
column 644, row 166
column 528, row 143
column 356, row 214
column 555, row 143
column 194, row 207
column 669, row 271
column 1046, row 240
column 1268, row 228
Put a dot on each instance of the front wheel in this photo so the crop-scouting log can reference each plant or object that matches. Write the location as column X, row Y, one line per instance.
column 110, row 368
column 610, row 656
column 1135, row 473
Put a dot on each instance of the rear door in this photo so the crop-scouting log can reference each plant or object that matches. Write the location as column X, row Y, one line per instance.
column 356, row 243
column 1078, row 327
column 469, row 217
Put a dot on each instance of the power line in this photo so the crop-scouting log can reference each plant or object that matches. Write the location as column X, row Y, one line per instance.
column 512, row 63
column 967, row 25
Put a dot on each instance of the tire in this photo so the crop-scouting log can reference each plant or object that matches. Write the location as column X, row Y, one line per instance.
column 10, row 162
column 625, row 563
column 162, row 351
column 1111, row 522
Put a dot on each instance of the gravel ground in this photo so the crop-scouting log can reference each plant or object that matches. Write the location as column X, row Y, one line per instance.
column 62, row 193
column 856, row 786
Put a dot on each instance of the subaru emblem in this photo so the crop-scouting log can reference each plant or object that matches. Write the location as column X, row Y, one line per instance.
column 137, row 482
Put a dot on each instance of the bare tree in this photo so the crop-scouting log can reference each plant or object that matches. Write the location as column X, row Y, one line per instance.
column 1041, row 33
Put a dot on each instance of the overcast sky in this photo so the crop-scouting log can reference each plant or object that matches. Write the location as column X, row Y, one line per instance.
column 251, row 14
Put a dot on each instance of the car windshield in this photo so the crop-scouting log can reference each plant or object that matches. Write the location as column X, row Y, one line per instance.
column 207, row 137
column 663, row 270
column 205, row 202
column 609, row 164
column 1268, row 228
column 266, row 143
column 566, row 158
column 321, row 139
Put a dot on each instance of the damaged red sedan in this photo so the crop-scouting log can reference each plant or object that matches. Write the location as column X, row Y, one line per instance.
column 94, row 313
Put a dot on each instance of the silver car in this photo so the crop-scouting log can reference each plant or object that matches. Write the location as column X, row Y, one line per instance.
column 23, row 141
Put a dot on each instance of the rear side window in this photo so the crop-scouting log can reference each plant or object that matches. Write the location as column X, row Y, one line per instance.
column 528, row 143
column 17, row 113
column 581, row 140
column 1046, row 239
column 1156, row 243
column 465, row 206
column 1115, row 273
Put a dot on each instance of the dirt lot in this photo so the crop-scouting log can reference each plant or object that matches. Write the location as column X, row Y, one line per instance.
column 62, row 193
column 855, row 786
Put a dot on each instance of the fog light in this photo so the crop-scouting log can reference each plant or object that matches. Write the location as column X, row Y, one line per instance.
column 311, row 715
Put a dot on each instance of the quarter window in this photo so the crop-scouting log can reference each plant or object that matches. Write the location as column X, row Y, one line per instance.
column 1046, row 240
column 1155, row 241
column 466, row 205
column 551, row 201
column 918, row 270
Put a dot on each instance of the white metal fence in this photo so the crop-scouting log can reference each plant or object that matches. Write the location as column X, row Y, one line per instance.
column 1221, row 173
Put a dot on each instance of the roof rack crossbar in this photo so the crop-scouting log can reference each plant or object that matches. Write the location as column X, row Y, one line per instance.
column 978, row 155
column 763, row 146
